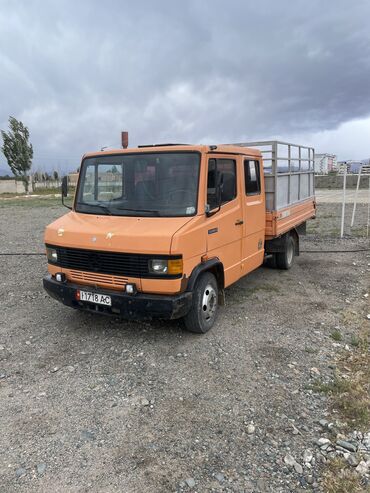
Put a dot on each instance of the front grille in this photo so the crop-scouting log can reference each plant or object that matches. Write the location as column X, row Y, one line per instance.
column 113, row 263
column 81, row 277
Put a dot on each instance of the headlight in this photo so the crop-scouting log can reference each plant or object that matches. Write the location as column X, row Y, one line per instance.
column 158, row 266
column 52, row 255
column 165, row 267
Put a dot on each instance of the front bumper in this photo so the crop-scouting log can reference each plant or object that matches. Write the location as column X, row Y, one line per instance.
column 136, row 307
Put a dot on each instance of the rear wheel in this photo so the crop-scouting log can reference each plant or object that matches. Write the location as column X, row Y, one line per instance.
column 203, row 312
column 285, row 259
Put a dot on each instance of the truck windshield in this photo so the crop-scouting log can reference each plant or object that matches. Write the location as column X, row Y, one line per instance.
column 144, row 184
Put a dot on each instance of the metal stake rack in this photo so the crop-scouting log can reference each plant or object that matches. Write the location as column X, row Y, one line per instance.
column 289, row 172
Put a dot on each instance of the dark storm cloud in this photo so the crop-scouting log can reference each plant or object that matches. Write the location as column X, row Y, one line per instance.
column 78, row 72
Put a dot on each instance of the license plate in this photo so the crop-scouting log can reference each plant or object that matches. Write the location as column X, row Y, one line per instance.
column 99, row 299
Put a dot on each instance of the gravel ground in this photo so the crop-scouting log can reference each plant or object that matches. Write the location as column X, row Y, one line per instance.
column 95, row 404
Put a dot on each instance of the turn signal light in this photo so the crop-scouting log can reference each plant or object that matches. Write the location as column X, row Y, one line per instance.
column 175, row 266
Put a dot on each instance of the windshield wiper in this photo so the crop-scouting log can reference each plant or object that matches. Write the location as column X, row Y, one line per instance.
column 139, row 210
column 102, row 207
column 109, row 212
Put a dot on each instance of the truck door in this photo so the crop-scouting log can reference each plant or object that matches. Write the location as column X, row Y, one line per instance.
column 225, row 227
column 253, row 215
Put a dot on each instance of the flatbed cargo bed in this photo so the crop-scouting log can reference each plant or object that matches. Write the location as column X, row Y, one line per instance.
column 283, row 220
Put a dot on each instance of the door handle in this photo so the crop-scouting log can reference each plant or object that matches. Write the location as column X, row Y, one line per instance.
column 238, row 222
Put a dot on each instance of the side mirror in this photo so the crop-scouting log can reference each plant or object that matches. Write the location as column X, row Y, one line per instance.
column 65, row 186
column 65, row 191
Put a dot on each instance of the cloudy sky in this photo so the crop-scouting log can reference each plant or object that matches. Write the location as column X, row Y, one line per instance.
column 78, row 72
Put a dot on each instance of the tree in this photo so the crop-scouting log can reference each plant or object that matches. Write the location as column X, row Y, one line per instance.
column 17, row 150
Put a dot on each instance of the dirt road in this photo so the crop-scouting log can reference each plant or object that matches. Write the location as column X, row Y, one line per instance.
column 95, row 404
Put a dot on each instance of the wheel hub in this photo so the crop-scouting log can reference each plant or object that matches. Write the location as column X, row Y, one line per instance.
column 290, row 253
column 209, row 303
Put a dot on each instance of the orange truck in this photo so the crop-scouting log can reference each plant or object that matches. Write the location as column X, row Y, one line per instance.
column 160, row 231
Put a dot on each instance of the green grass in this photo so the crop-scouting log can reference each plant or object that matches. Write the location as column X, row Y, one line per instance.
column 336, row 335
column 310, row 350
column 46, row 191
column 327, row 216
column 359, row 232
column 31, row 202
column 350, row 396
column 355, row 341
column 340, row 478
column 349, row 400
column 335, row 387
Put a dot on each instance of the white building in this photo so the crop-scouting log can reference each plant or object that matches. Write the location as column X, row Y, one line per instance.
column 352, row 166
column 325, row 163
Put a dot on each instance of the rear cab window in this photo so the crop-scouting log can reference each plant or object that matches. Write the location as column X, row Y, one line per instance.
column 252, row 177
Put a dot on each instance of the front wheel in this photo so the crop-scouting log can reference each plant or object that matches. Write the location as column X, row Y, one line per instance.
column 284, row 260
column 203, row 312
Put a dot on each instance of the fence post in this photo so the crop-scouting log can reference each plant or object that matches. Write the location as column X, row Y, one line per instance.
column 344, row 200
column 368, row 212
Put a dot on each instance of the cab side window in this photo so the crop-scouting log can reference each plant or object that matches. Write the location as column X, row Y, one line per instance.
column 225, row 171
column 252, row 177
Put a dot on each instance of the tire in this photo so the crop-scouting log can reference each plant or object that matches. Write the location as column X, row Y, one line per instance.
column 204, row 310
column 284, row 260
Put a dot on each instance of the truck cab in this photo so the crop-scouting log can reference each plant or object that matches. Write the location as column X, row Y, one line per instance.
column 161, row 231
